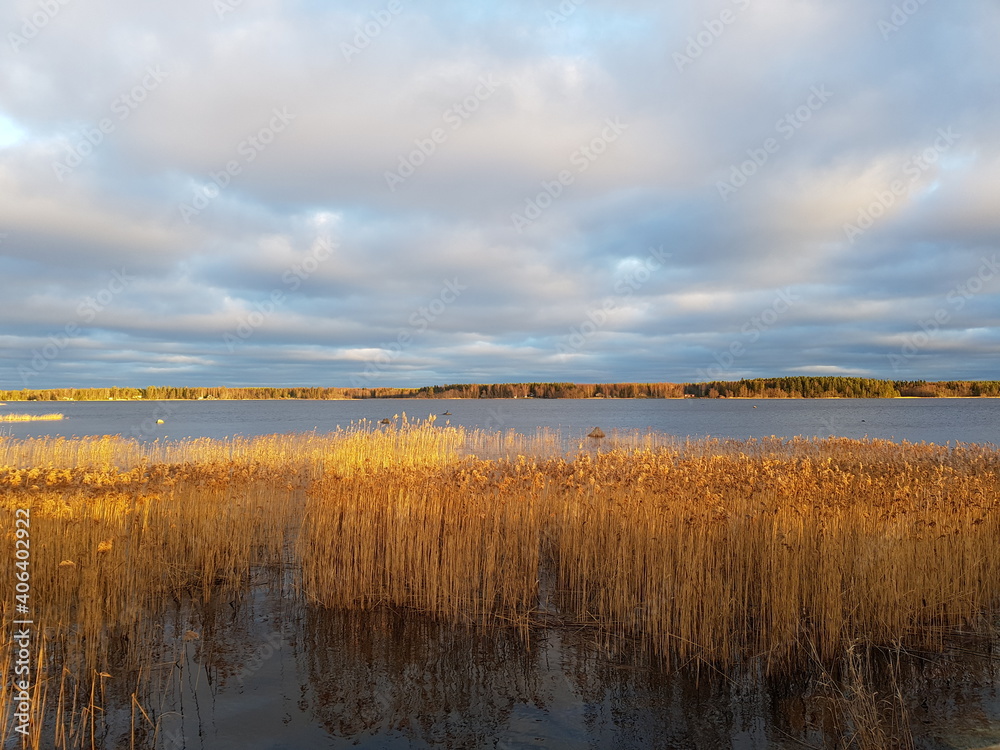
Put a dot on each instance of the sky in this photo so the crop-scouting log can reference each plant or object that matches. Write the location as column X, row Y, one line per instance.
column 395, row 193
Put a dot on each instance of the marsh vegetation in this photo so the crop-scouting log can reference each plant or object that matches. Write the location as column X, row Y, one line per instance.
column 826, row 561
column 30, row 417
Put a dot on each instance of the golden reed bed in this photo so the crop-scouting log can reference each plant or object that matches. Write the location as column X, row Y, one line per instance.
column 784, row 555
column 30, row 417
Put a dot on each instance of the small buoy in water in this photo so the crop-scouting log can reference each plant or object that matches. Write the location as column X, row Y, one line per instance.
column 159, row 421
column 755, row 406
column 385, row 421
column 597, row 432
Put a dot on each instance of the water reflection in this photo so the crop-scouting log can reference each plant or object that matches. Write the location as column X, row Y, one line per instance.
column 267, row 671
column 382, row 676
column 386, row 673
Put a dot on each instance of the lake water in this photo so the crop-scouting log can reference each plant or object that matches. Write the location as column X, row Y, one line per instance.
column 272, row 672
column 278, row 673
column 914, row 420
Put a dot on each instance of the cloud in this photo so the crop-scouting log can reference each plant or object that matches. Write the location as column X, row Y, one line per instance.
column 236, row 168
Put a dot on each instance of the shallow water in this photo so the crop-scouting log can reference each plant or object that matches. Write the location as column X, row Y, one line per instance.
column 268, row 672
column 914, row 420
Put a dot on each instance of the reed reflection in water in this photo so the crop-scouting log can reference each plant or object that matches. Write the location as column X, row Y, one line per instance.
column 267, row 670
column 387, row 679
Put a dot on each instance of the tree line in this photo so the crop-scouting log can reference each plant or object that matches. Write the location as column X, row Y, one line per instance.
column 792, row 387
column 841, row 387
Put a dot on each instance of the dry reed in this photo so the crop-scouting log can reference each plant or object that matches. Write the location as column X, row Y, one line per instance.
column 773, row 554
column 30, row 417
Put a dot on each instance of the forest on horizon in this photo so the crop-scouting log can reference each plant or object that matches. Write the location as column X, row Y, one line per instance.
column 790, row 387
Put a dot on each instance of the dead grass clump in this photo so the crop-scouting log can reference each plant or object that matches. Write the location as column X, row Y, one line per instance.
column 30, row 417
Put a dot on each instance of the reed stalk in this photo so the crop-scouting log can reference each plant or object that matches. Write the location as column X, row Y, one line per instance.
column 766, row 554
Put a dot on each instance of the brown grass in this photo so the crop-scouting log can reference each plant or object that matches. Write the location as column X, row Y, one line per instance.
column 740, row 554
column 29, row 417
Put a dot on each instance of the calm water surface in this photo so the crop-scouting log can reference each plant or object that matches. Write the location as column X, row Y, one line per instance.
column 275, row 673
column 272, row 672
column 914, row 420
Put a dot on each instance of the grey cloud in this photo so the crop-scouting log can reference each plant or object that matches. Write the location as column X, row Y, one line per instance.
column 199, row 275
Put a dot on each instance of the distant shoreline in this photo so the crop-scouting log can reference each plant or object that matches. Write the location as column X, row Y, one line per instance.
column 797, row 387
column 420, row 399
